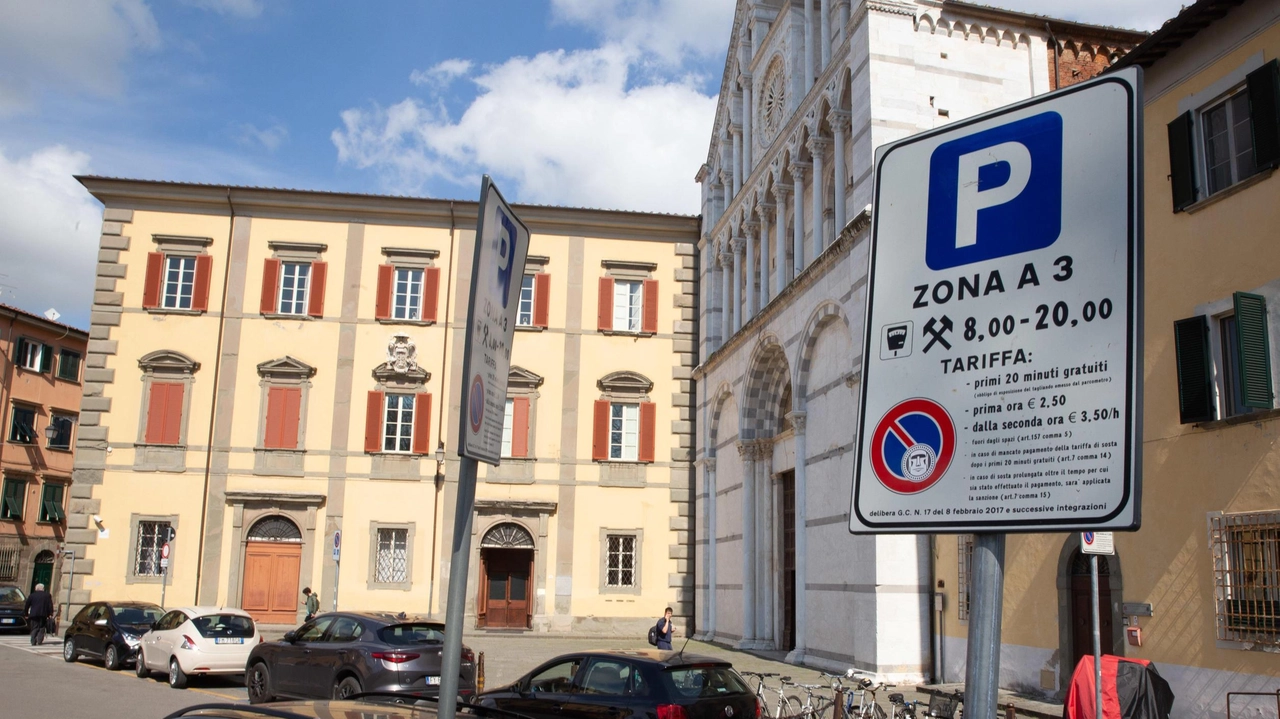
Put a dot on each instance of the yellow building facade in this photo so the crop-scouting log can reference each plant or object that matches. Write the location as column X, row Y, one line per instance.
column 1197, row 589
column 274, row 368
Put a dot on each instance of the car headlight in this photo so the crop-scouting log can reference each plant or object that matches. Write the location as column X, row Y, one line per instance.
column 132, row 640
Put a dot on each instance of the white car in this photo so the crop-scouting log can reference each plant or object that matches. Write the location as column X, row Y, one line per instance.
column 198, row 640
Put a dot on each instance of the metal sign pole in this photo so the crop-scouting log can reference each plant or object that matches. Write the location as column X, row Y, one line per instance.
column 455, row 609
column 71, row 581
column 164, row 584
column 1097, row 639
column 982, row 670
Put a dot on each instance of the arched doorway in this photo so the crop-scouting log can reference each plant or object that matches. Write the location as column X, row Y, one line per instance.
column 42, row 571
column 506, row 559
column 272, row 560
column 1082, row 612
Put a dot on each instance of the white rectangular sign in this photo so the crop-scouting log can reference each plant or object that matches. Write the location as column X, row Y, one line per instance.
column 1097, row 543
column 502, row 245
column 1001, row 376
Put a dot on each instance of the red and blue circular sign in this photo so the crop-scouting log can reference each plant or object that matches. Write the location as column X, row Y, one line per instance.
column 912, row 446
column 475, row 404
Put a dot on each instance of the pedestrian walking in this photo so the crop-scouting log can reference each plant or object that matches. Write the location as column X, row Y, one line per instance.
column 38, row 608
column 312, row 601
column 665, row 630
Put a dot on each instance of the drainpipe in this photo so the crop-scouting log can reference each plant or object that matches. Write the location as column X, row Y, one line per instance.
column 1057, row 76
column 6, row 390
column 213, row 408
column 444, row 363
column 937, row 611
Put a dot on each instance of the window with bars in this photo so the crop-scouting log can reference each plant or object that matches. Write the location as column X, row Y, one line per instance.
column 624, row 431
column 628, row 305
column 294, row 278
column 151, row 537
column 1246, row 568
column 620, row 564
column 407, row 299
column 524, row 314
column 397, row 435
column 964, row 580
column 10, row 555
column 391, row 565
column 179, row 282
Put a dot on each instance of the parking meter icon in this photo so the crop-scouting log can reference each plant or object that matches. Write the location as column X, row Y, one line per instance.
column 896, row 341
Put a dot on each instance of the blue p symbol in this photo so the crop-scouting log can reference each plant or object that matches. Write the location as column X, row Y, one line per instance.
column 506, row 248
column 995, row 193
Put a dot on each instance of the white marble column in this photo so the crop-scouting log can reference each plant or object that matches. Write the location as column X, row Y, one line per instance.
column 708, row 627
column 802, row 539
column 726, row 185
column 839, row 121
column 713, row 301
column 798, row 170
column 736, row 131
column 726, row 293
column 736, row 246
column 818, row 148
column 780, row 239
column 843, row 15
column 748, row 111
column 746, row 451
column 765, row 211
column 767, row 501
column 752, row 308
column 824, row 22
column 808, row 45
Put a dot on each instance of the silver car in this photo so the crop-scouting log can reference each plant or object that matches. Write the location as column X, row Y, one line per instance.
column 335, row 656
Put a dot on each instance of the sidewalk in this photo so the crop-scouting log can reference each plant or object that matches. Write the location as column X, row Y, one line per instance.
column 1023, row 705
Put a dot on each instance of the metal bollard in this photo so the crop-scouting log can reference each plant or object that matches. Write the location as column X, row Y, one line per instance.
column 1009, row 712
column 480, row 673
column 837, row 712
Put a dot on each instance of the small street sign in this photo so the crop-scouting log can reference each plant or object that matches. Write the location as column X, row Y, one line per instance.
column 1002, row 370
column 164, row 562
column 337, row 545
column 1097, row 543
column 164, row 552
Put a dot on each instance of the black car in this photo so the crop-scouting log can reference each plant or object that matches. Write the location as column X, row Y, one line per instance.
column 628, row 685
column 11, row 602
column 344, row 653
column 374, row 706
column 110, row 631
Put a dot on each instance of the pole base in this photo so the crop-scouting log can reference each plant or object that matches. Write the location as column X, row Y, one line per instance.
column 795, row 656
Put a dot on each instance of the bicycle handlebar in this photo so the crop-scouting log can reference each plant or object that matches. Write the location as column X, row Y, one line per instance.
column 762, row 675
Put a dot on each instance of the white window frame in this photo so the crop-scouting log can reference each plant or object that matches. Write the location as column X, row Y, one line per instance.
column 1221, row 309
column 32, row 356
column 396, row 430
column 407, row 305
column 1228, row 104
column 296, row 285
column 628, row 305
column 624, row 440
column 179, row 293
column 508, row 426
column 391, row 540
column 528, row 301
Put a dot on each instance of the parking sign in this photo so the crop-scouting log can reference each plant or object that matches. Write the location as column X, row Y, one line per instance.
column 1001, row 374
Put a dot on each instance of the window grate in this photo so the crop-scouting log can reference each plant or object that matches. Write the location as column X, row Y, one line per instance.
column 1246, row 576
column 392, row 563
column 151, row 536
column 621, row 562
column 10, row 554
column 964, row 564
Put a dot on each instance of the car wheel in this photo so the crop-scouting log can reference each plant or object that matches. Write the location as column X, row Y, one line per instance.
column 69, row 653
column 257, row 681
column 140, row 666
column 111, row 658
column 177, row 677
column 348, row 687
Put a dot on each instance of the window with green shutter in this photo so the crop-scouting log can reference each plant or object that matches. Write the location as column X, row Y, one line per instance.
column 1195, row 381
column 15, row 494
column 1182, row 170
column 1253, row 358
column 51, row 503
column 1263, row 86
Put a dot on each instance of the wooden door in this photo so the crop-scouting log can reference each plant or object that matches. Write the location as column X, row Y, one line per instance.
column 271, row 581
column 507, row 590
column 788, row 524
column 1082, row 613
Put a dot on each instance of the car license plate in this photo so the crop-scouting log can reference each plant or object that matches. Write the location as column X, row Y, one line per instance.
column 8, row 621
column 433, row 681
column 229, row 640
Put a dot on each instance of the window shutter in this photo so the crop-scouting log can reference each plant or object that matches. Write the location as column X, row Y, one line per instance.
column 1254, row 369
column 422, row 424
column 430, row 293
column 519, row 426
column 600, row 430
column 275, row 415
column 1195, row 388
column 648, row 430
column 46, row 359
column 164, row 413
column 604, row 315
column 270, row 286
column 20, row 352
column 382, row 305
column 315, row 293
column 1182, row 169
column 1264, row 110
column 649, row 320
column 284, row 408
column 542, row 299
column 373, row 422
column 153, row 278
column 200, row 293
column 173, row 415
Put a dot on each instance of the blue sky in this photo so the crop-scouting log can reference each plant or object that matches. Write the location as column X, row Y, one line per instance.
column 600, row 103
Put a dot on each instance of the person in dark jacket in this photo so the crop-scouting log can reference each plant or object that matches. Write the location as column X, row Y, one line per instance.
column 665, row 630
column 38, row 608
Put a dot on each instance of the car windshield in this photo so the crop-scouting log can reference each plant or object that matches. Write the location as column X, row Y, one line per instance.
column 223, row 625
column 11, row 595
column 138, row 615
column 417, row 633
column 704, row 681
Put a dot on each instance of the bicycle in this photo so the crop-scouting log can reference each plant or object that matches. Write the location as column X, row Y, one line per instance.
column 900, row 708
column 808, row 709
column 868, row 708
column 762, row 698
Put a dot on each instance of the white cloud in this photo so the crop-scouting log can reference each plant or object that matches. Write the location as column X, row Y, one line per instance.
column 270, row 138
column 76, row 44
column 663, row 30
column 49, row 229
column 240, row 8
column 441, row 74
column 1135, row 14
column 564, row 127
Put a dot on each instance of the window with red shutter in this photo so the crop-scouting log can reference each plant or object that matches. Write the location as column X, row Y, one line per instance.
column 600, row 430
column 315, row 297
column 153, row 277
column 542, row 300
column 200, row 293
column 382, row 303
column 604, row 312
column 164, row 413
column 373, row 422
column 270, row 286
column 422, row 424
column 520, row 427
column 284, row 408
column 431, row 294
column 649, row 322
column 648, row 431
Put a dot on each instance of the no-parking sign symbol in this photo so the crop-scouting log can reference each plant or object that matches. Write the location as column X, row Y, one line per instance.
column 913, row 445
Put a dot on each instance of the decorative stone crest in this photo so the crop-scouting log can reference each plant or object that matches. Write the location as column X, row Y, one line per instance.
column 402, row 362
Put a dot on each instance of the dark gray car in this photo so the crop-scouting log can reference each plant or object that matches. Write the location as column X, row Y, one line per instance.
column 344, row 653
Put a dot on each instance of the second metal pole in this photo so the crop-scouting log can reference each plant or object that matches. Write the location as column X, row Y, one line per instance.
column 1097, row 639
column 982, row 667
column 455, row 609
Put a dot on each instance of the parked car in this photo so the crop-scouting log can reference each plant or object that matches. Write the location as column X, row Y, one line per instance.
column 197, row 640
column 345, row 653
column 110, row 631
column 379, row 707
column 11, row 602
column 627, row 685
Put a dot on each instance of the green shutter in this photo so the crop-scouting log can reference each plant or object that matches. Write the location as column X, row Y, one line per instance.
column 51, row 504
column 20, row 353
column 1264, row 99
column 1254, row 368
column 14, row 494
column 1182, row 169
column 1195, row 386
column 46, row 359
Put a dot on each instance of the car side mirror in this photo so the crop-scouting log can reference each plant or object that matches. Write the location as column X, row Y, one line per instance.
column 291, row 636
column 101, row 622
column 155, row 626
